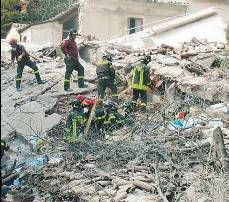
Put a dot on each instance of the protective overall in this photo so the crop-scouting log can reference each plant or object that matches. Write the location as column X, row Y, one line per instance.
column 141, row 81
column 70, row 49
column 75, row 122
column 106, row 78
column 113, row 119
column 99, row 118
column 19, row 53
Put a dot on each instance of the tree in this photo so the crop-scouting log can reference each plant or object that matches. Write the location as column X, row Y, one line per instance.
column 8, row 15
column 38, row 10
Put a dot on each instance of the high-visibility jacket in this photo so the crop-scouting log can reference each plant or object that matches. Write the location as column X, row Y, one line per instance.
column 75, row 122
column 99, row 115
column 113, row 119
column 141, row 77
column 105, row 70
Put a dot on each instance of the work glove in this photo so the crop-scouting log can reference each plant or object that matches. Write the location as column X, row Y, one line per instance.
column 19, row 58
column 68, row 57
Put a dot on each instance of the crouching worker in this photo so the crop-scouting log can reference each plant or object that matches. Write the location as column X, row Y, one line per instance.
column 113, row 119
column 99, row 118
column 75, row 122
column 19, row 53
column 87, row 105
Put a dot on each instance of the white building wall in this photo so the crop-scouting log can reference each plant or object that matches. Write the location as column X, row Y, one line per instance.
column 44, row 34
column 13, row 33
column 26, row 34
column 222, row 7
column 109, row 19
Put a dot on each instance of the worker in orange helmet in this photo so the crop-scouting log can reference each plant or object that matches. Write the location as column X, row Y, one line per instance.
column 22, row 57
column 87, row 104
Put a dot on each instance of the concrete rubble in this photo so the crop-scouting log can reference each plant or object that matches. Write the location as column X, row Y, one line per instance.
column 25, row 111
column 157, row 160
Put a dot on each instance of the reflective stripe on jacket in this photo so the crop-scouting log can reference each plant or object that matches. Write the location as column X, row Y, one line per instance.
column 141, row 77
column 75, row 121
column 105, row 70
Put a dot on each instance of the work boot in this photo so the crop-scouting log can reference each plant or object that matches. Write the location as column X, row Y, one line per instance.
column 18, row 84
column 68, row 89
column 38, row 77
column 66, row 85
column 41, row 82
column 83, row 86
column 81, row 83
column 19, row 88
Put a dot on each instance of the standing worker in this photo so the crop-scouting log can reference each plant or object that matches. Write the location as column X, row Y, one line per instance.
column 22, row 57
column 106, row 78
column 70, row 50
column 141, row 81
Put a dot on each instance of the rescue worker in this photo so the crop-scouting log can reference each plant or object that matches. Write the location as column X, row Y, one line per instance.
column 70, row 50
column 141, row 81
column 113, row 119
column 87, row 105
column 22, row 57
column 81, row 98
column 106, row 78
column 4, row 147
column 75, row 122
column 99, row 118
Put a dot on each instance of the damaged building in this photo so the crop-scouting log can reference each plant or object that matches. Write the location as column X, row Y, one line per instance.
column 102, row 20
column 176, row 151
column 121, row 18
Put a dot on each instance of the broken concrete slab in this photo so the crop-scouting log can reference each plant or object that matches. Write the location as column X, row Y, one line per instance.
column 30, row 120
column 47, row 102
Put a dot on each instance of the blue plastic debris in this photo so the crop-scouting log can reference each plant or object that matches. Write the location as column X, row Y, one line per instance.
column 41, row 161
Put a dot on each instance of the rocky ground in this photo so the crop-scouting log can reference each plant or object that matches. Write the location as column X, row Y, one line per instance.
column 157, row 159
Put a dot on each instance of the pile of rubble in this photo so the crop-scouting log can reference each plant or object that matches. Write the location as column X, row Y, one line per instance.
column 150, row 162
column 196, row 67
column 161, row 158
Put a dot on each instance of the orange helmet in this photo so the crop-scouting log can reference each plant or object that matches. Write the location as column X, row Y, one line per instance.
column 89, row 102
column 13, row 41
